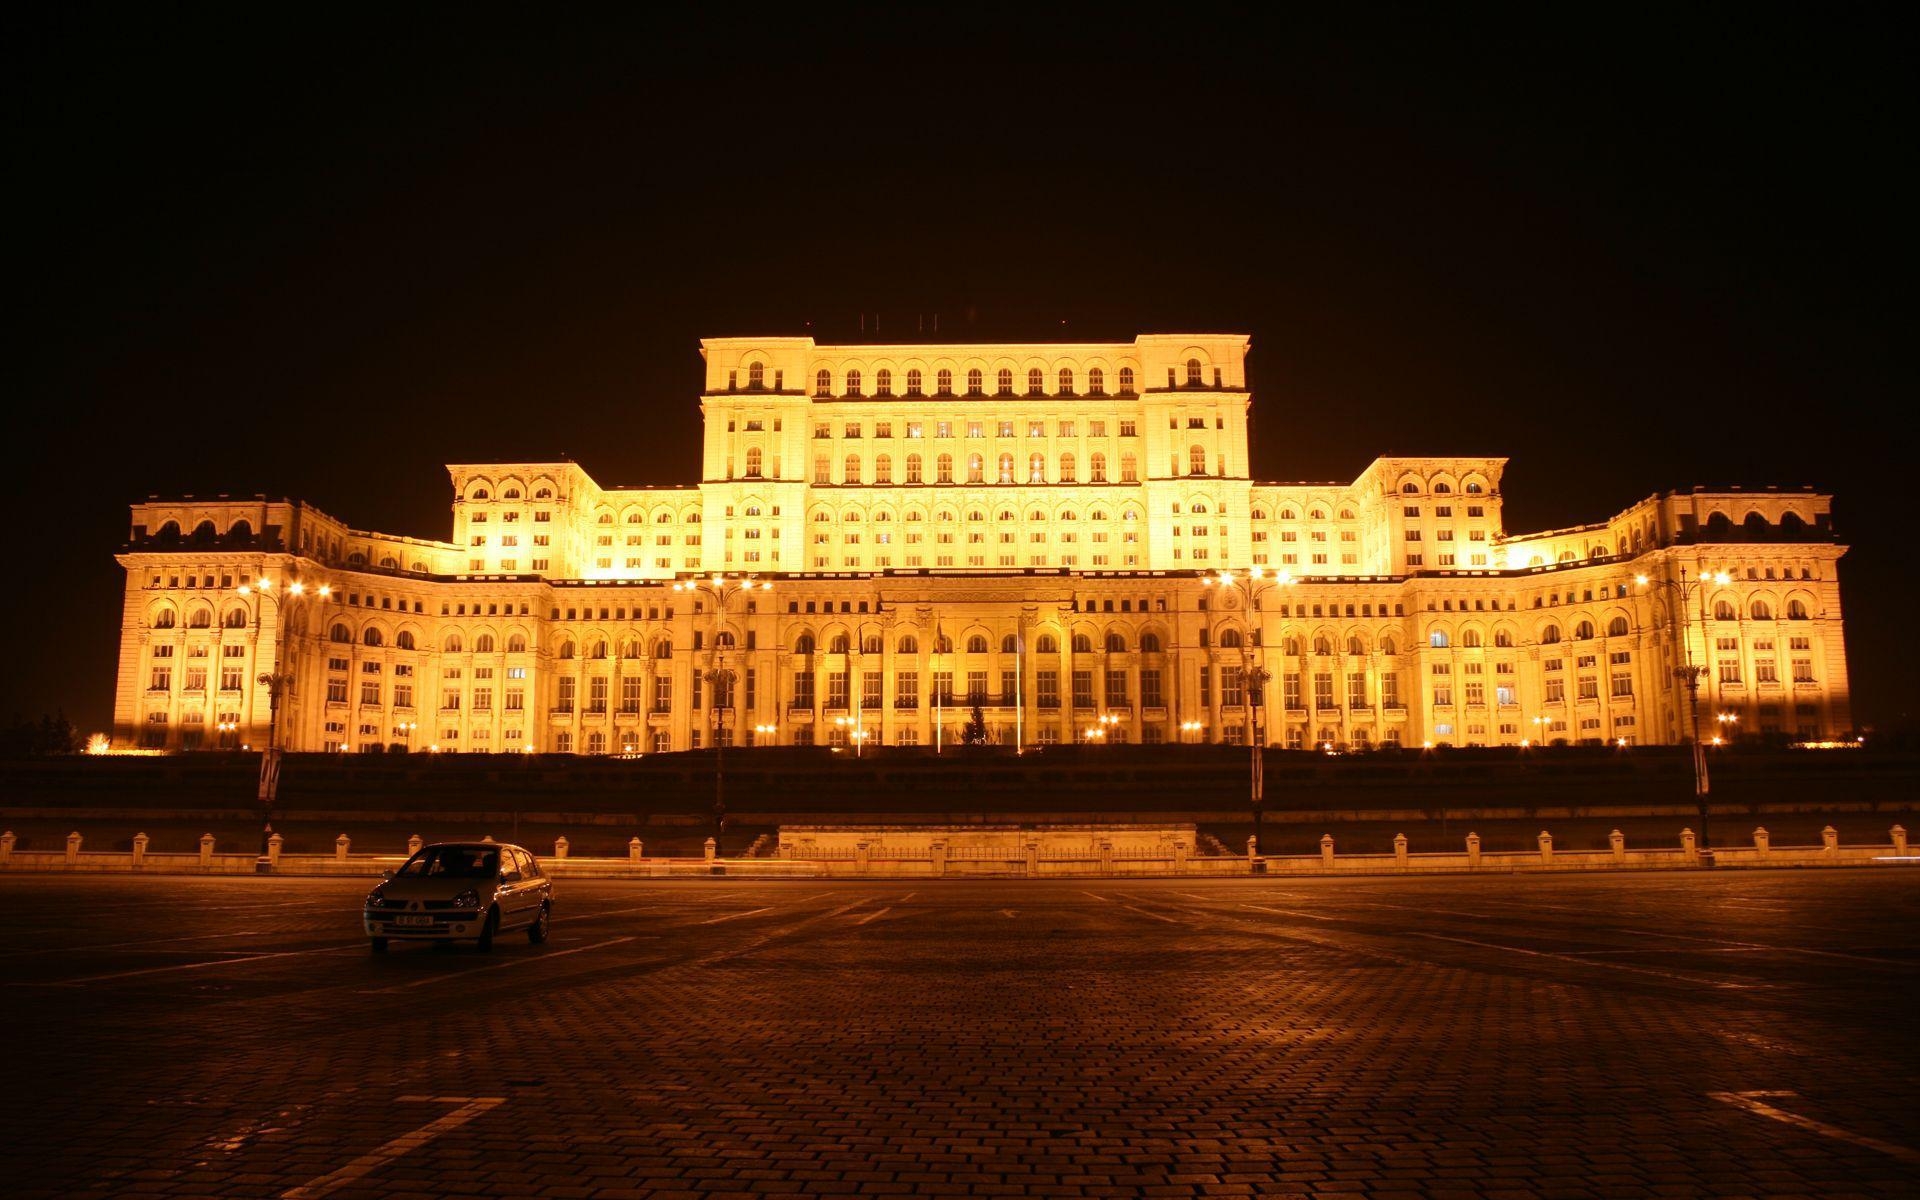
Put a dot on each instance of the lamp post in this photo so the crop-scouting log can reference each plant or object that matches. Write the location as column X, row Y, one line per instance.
column 1187, row 727
column 764, row 731
column 405, row 730
column 278, row 682
column 720, row 678
column 1107, row 723
column 228, row 731
column 1727, row 721
column 1689, row 676
column 1252, row 584
column 855, row 732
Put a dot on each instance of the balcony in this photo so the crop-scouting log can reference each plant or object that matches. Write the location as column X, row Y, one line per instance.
column 905, row 702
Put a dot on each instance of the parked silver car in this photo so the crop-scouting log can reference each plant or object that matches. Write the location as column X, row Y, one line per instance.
column 456, row 890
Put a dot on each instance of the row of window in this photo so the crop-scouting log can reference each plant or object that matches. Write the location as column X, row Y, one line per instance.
column 914, row 381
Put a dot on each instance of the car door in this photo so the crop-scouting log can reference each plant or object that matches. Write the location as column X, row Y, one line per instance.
column 513, row 888
column 541, row 891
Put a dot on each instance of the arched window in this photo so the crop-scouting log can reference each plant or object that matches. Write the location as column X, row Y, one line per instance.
column 914, row 379
column 1437, row 639
column 1356, row 646
column 1196, row 460
column 1097, row 468
column 1617, row 627
column 1149, row 643
column 517, row 643
column 1322, row 647
column 976, row 644
column 852, row 473
column 483, row 644
column 1082, row 644
column 479, row 494
column 1066, row 381
column 199, row 618
column 823, row 382
column 235, row 618
column 164, row 619
column 838, row 645
column 882, row 468
column 1796, row 610
column 1503, row 638
column 942, row 644
column 1583, row 631
column 1442, row 489
column 943, row 382
column 1193, row 372
column 1475, row 488
column 973, row 381
column 803, row 644
column 630, row 649
column 883, row 382
column 338, row 633
column 1036, row 468
column 753, row 462
column 1006, row 469
column 1723, row 610
column 1066, row 469
column 1290, row 645
column 943, row 468
column 565, row 651
column 1129, row 469
column 371, row 636
column 1126, row 381
column 1036, row 382
column 1045, row 644
column 663, row 648
column 1230, row 639
column 1410, row 488
column 452, row 644
column 756, row 375
column 1470, row 637
column 596, row 742
column 1009, row 644
column 1550, row 635
column 1760, row 611
column 722, row 640
column 913, row 468
column 404, row 639
column 976, row 468
column 1116, row 643
column 1096, row 381
column 1388, row 647
column 909, row 644
column 1005, row 381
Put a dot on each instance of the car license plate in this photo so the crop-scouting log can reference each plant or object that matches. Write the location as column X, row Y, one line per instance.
column 413, row 920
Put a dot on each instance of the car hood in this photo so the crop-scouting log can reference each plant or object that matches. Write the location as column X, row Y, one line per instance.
column 437, row 888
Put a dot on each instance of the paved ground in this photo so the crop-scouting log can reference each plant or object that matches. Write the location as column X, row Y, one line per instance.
column 1634, row 1035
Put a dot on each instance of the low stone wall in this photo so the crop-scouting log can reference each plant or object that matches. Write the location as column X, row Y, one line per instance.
column 962, row 852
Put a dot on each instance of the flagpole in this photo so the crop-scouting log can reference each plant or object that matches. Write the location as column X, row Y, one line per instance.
column 939, row 699
column 1019, row 682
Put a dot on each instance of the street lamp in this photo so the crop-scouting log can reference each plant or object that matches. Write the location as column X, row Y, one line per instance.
column 854, row 732
column 720, row 678
column 228, row 730
column 1108, row 721
column 761, row 732
column 1252, row 584
column 278, row 681
column 405, row 730
column 1689, row 676
column 1187, row 727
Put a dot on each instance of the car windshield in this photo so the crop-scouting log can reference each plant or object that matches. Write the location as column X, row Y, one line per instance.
column 454, row 862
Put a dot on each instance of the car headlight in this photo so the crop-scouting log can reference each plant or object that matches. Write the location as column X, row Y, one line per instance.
column 376, row 899
column 467, row 899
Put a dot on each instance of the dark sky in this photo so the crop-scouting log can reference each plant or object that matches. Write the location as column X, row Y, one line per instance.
column 322, row 260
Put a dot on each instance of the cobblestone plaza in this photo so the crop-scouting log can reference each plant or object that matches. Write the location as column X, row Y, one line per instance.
column 1704, row 1034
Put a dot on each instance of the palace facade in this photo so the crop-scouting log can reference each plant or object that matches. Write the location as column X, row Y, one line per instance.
column 1068, row 536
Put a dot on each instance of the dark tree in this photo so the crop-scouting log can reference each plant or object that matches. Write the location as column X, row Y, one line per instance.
column 975, row 733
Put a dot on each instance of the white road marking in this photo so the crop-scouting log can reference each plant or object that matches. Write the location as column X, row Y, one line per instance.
column 1865, row 958
column 1587, row 962
column 368, row 1163
column 907, row 897
column 1287, row 912
column 219, row 962
column 204, row 937
column 872, row 916
column 733, row 916
column 1156, row 916
column 1755, row 1102
column 517, row 962
column 1008, row 913
column 1196, row 896
column 1101, row 899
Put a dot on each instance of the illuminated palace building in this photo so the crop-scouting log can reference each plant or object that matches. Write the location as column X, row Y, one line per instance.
column 1068, row 536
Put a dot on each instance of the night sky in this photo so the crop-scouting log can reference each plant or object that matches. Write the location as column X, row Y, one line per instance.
column 323, row 260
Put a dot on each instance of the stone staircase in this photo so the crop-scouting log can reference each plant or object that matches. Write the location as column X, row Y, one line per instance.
column 763, row 846
column 1207, row 845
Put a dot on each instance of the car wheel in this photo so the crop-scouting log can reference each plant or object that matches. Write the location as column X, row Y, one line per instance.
column 379, row 945
column 485, row 941
column 537, row 932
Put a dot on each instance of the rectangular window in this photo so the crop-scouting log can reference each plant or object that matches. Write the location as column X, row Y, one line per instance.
column 1083, row 689
column 870, row 689
column 1323, row 690
column 1290, row 691
column 1476, row 692
column 1116, row 689
column 1046, row 686
column 1556, row 691
column 662, row 693
column 1356, row 689
column 336, row 691
column 943, row 687
column 836, row 689
column 1729, row 670
column 803, row 689
column 1803, row 670
column 1150, row 688
column 596, row 694
column 906, row 689
column 483, row 699
column 1233, row 686
column 1623, row 683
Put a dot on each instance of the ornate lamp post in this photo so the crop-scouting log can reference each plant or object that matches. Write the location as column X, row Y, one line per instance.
column 278, row 682
column 1690, row 675
column 1727, row 732
column 761, row 732
column 405, row 730
column 720, row 678
column 1187, row 727
column 856, row 733
column 1252, row 584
